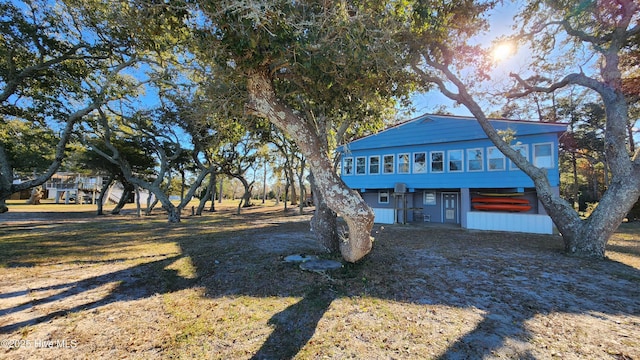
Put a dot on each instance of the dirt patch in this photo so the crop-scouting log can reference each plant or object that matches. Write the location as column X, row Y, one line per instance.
column 217, row 286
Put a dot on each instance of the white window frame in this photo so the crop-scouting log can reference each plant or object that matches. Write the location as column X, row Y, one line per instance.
column 550, row 156
column 471, row 158
column 402, row 164
column 345, row 166
column 501, row 156
column 420, row 168
column 362, row 159
column 384, row 162
column 429, row 198
column 431, row 162
column 449, row 152
column 378, row 171
column 382, row 194
column 525, row 153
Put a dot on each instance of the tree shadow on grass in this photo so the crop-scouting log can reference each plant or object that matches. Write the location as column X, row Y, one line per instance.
column 508, row 282
column 295, row 325
column 127, row 284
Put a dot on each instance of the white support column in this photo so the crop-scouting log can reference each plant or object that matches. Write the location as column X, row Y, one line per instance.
column 465, row 206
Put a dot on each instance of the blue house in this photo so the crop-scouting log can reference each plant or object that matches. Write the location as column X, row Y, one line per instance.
column 444, row 169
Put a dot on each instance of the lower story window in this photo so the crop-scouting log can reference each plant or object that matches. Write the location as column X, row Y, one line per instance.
column 383, row 197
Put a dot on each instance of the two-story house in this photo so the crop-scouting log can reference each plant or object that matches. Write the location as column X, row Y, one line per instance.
column 444, row 169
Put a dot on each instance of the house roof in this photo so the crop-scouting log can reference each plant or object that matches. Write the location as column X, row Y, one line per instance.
column 434, row 129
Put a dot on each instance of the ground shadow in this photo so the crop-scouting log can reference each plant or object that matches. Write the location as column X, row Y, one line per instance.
column 130, row 286
column 509, row 282
column 294, row 326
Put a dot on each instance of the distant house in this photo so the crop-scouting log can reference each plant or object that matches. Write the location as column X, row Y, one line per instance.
column 78, row 188
column 444, row 169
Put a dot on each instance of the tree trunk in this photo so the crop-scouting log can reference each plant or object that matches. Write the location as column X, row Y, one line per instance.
column 182, row 182
column 103, row 192
column 207, row 195
column 264, row 184
column 213, row 181
column 589, row 238
column 173, row 213
column 150, row 204
column 286, row 195
column 138, row 210
column 303, row 190
column 575, row 186
column 291, row 181
column 324, row 223
column 6, row 171
column 348, row 203
column 585, row 238
column 126, row 193
column 246, row 197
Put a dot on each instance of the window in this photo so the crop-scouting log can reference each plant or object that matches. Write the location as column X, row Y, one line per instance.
column 361, row 165
column 429, row 198
column 420, row 163
column 543, row 156
column 475, row 161
column 374, row 165
column 455, row 160
column 437, row 161
column 496, row 159
column 383, row 197
column 403, row 163
column 347, row 167
column 387, row 166
column 523, row 150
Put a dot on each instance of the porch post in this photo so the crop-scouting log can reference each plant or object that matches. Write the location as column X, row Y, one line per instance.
column 465, row 206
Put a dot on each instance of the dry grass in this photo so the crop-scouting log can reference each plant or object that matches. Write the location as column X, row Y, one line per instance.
column 73, row 285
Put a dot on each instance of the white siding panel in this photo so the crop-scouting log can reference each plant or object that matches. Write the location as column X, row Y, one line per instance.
column 384, row 216
column 528, row 223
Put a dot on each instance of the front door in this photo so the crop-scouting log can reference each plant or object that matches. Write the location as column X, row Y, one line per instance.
column 450, row 207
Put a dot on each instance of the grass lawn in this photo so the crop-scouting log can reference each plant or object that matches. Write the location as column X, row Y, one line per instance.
column 74, row 285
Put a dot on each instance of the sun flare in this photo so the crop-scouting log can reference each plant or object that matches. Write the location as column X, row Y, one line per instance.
column 502, row 51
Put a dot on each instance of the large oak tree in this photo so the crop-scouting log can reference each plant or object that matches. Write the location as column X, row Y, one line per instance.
column 573, row 44
column 310, row 68
column 58, row 64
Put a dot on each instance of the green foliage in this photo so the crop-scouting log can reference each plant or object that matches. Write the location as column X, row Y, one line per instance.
column 28, row 147
column 335, row 64
column 138, row 155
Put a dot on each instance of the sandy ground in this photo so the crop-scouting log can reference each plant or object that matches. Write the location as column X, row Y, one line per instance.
column 424, row 292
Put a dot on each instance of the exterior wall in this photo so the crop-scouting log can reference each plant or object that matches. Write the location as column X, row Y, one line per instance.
column 434, row 155
column 529, row 223
column 509, row 177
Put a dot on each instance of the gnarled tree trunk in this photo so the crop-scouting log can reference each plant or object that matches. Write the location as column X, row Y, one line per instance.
column 346, row 202
column 324, row 221
column 588, row 237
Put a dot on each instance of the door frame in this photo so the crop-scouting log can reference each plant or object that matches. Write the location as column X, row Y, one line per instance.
column 444, row 207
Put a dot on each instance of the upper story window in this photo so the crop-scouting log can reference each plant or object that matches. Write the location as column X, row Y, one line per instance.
column 387, row 164
column 496, row 159
column 419, row 163
column 437, row 161
column 523, row 150
column 475, row 160
column 374, row 165
column 543, row 155
column 403, row 163
column 455, row 160
column 347, row 167
column 361, row 165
